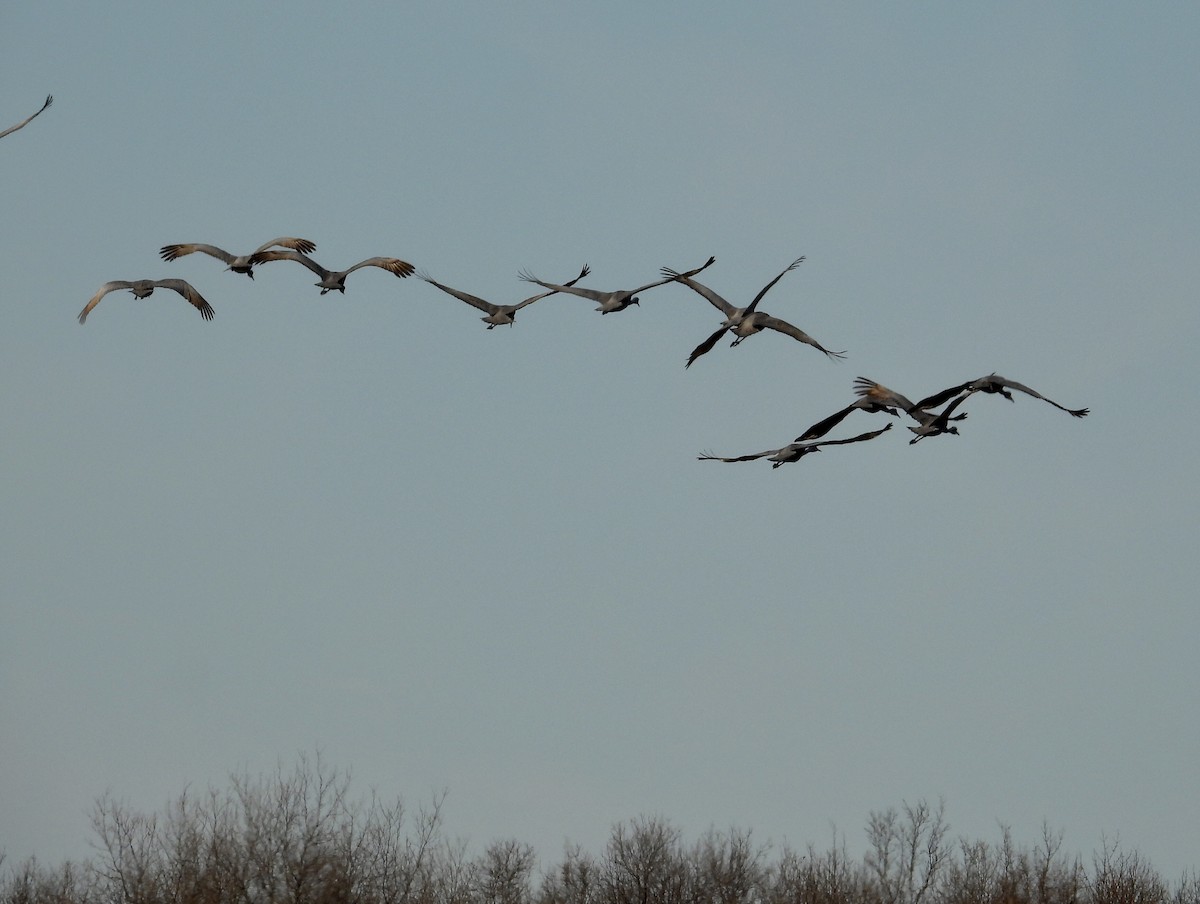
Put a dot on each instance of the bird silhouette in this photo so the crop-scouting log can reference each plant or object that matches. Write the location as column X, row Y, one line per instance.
column 333, row 279
column 609, row 302
column 144, row 288
column 744, row 322
column 796, row 451
column 238, row 263
column 996, row 385
column 497, row 314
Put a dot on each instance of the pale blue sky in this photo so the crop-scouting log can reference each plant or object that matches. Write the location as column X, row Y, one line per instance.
column 489, row 561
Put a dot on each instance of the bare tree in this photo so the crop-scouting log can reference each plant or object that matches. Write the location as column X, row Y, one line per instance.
column 644, row 864
column 290, row 837
column 973, row 877
column 575, row 880
column 392, row 866
column 727, row 868
column 290, row 832
column 906, row 852
column 506, row 869
column 296, row 837
column 1124, row 877
column 129, row 864
column 1042, row 875
column 1188, row 891
column 829, row 877
column 453, row 876
column 32, row 884
column 200, row 852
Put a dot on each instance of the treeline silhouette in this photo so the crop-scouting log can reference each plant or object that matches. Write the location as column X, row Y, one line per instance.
column 298, row 838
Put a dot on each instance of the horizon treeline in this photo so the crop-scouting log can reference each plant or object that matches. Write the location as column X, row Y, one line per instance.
column 299, row 838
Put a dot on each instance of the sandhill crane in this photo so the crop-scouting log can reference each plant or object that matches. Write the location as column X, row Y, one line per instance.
column 930, row 423
column 333, row 279
column 238, row 263
column 938, row 423
column 497, row 314
column 609, row 302
column 25, row 122
column 744, row 322
column 997, row 385
column 820, row 428
column 796, row 451
column 144, row 288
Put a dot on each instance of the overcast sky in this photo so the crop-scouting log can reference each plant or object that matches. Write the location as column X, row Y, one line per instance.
column 489, row 562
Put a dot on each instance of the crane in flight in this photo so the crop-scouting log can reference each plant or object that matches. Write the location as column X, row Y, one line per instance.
column 744, row 322
column 497, row 314
column 144, row 288
column 796, row 451
column 609, row 302
column 238, row 263
column 333, row 279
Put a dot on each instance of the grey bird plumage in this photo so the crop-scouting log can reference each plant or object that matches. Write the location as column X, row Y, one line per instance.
column 238, row 263
column 997, row 385
column 796, row 451
column 744, row 322
column 144, row 288
column 608, row 302
column 497, row 314
column 333, row 279
column 929, row 423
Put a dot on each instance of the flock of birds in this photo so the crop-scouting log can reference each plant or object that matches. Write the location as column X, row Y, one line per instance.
column 934, row 415
column 875, row 397
column 280, row 249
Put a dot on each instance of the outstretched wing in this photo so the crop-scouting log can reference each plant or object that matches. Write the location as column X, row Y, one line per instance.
column 1021, row 387
column 473, row 300
column 393, row 265
column 263, row 257
column 699, row 288
column 757, row 298
column 707, row 457
column 706, row 346
column 25, row 122
column 938, row 397
column 880, row 394
column 862, row 437
column 174, row 252
column 943, row 416
column 531, row 299
column 820, row 428
column 194, row 298
column 302, row 245
column 782, row 326
column 582, row 292
column 104, row 290
column 684, row 278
